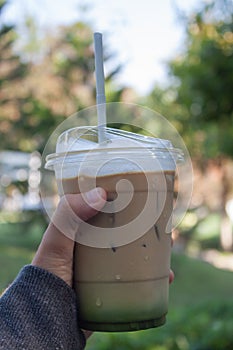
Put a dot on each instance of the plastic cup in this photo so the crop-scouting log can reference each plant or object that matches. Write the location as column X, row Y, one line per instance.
column 122, row 255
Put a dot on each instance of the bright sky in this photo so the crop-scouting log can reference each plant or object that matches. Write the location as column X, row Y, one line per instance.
column 143, row 33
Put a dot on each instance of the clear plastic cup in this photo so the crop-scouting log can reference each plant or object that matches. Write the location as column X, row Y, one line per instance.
column 122, row 255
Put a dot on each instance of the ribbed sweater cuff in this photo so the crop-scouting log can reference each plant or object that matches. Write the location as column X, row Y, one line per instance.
column 39, row 311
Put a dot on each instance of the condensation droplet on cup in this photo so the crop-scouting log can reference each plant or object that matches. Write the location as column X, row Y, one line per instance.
column 117, row 277
column 111, row 218
column 98, row 302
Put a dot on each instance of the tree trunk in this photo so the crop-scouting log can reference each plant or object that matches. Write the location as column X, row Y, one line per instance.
column 226, row 237
column 226, row 234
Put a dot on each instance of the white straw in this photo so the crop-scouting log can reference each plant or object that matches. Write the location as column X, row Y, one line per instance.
column 100, row 91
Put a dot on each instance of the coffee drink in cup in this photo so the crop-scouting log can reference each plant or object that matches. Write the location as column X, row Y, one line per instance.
column 122, row 255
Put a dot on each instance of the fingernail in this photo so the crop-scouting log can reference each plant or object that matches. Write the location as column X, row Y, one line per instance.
column 94, row 196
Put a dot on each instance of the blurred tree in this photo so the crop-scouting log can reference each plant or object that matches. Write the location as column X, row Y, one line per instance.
column 31, row 41
column 12, row 72
column 59, row 82
column 204, row 73
column 201, row 103
column 63, row 82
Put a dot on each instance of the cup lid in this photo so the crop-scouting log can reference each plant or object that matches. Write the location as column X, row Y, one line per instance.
column 79, row 140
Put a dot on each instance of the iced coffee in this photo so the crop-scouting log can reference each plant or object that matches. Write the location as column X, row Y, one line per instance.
column 122, row 283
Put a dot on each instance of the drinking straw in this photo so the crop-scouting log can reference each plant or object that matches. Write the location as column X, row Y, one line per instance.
column 100, row 91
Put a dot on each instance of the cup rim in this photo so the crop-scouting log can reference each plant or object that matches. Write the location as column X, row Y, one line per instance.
column 176, row 154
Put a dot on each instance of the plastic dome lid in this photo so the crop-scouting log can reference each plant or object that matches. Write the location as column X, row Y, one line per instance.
column 79, row 140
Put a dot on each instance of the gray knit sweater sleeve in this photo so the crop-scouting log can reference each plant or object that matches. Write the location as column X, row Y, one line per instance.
column 39, row 312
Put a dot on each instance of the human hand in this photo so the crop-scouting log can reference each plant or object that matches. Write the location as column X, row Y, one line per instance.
column 171, row 276
column 55, row 253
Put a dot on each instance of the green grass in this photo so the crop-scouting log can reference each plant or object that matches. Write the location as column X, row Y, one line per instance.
column 11, row 261
column 197, row 281
column 200, row 296
column 18, row 243
column 204, row 327
column 200, row 306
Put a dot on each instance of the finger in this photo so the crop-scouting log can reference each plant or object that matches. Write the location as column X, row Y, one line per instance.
column 56, row 248
column 75, row 208
column 171, row 276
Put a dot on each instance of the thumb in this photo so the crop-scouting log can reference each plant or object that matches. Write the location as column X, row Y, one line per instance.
column 55, row 252
column 75, row 208
column 88, row 204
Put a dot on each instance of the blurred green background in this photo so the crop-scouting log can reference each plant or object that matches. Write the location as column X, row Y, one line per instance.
column 40, row 88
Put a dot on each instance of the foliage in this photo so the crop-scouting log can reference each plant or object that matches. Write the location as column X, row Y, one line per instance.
column 204, row 78
column 43, row 87
column 199, row 101
column 12, row 74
